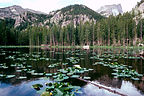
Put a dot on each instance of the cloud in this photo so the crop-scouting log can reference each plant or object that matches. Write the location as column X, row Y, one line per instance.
column 5, row 1
column 40, row 5
column 48, row 5
column 70, row 2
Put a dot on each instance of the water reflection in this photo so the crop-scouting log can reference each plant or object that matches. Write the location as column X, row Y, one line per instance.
column 20, row 89
column 91, row 90
column 100, row 74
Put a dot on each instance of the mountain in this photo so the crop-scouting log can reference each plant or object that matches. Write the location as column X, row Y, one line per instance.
column 21, row 15
column 139, row 9
column 73, row 13
column 108, row 10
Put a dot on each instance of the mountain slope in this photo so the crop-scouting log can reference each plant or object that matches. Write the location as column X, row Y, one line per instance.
column 81, row 9
column 139, row 9
column 21, row 15
column 73, row 13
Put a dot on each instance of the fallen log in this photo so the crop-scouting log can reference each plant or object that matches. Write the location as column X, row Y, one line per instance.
column 102, row 87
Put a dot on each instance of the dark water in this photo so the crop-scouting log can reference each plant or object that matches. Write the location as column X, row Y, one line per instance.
column 37, row 59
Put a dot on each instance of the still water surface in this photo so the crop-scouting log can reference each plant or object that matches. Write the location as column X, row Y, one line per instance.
column 14, row 61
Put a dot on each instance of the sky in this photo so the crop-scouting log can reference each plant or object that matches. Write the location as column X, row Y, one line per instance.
column 51, row 5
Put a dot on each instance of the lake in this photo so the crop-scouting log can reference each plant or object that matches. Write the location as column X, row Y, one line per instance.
column 117, row 69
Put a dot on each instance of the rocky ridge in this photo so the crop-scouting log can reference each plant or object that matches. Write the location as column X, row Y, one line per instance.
column 63, row 17
column 108, row 10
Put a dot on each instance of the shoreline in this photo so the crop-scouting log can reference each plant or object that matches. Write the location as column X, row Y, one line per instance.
column 107, row 47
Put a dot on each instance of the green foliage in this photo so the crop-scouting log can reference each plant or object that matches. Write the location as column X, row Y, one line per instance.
column 81, row 9
column 115, row 31
column 139, row 3
column 7, row 32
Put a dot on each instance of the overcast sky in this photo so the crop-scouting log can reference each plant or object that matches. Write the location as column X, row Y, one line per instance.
column 50, row 5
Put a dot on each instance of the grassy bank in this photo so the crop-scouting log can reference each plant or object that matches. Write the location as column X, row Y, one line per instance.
column 109, row 47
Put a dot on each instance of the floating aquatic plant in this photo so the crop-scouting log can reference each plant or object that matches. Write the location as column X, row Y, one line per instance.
column 121, row 71
column 74, row 60
column 57, row 89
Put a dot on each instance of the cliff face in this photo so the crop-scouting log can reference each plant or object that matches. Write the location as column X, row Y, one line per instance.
column 108, row 10
column 73, row 13
column 140, row 9
column 19, row 14
column 63, row 17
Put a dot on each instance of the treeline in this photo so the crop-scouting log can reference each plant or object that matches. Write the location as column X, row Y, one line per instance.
column 81, row 9
column 122, row 30
column 7, row 32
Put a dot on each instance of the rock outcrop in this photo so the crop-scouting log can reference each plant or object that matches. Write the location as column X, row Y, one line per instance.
column 108, row 10
column 70, row 14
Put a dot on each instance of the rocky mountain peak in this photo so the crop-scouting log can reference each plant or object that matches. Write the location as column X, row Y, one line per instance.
column 140, row 9
column 19, row 14
column 69, row 14
column 73, row 13
column 108, row 10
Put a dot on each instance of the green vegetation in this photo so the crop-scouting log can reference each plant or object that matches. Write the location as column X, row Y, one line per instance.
column 59, row 73
column 138, row 4
column 58, row 89
column 81, row 9
column 121, row 71
column 94, row 47
column 121, row 30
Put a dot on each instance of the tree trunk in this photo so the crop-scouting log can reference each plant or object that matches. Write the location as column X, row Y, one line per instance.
column 141, row 26
column 109, row 36
column 53, row 40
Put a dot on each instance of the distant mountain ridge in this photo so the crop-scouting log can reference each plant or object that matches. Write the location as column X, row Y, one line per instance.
column 108, row 10
column 63, row 17
column 19, row 14
column 139, row 9
column 75, row 14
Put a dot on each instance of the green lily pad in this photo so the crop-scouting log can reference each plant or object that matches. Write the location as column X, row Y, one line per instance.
column 79, row 92
column 58, row 80
column 65, row 77
column 22, row 77
column 69, row 74
column 18, row 70
column 75, row 76
column 81, row 71
column 37, row 86
column 50, row 88
column 10, row 76
column 135, row 78
column 48, row 74
column 37, row 74
column 87, row 78
column 58, row 92
column 55, row 76
column 51, row 66
column 90, row 69
column 45, row 94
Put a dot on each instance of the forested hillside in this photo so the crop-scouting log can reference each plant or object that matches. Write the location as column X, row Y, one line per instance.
column 122, row 30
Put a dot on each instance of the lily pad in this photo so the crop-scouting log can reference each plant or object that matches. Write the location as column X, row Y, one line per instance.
column 45, row 94
column 87, row 78
column 37, row 86
column 135, row 78
column 48, row 74
column 58, row 80
column 75, row 76
column 10, row 76
column 22, row 77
